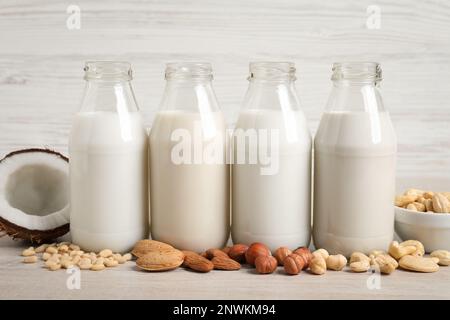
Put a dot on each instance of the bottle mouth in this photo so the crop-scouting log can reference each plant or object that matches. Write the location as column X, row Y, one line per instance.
column 270, row 70
column 188, row 70
column 108, row 70
column 357, row 71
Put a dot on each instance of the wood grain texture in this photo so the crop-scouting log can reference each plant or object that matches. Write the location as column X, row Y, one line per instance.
column 41, row 60
column 22, row 281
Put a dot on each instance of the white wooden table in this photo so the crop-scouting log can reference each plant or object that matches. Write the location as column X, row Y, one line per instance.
column 23, row 281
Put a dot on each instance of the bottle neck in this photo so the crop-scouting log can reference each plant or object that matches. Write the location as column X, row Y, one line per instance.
column 112, row 95
column 271, row 94
column 189, row 95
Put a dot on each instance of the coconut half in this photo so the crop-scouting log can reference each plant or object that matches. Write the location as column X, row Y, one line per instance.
column 34, row 195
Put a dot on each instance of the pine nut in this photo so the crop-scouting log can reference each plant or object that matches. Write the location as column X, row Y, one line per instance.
column 28, row 252
column 106, row 253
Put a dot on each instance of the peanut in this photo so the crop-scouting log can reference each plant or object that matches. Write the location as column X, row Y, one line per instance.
column 63, row 248
column 41, row 248
column 110, row 263
column 30, row 259
column 76, row 259
column 127, row 256
column 46, row 256
column 28, row 252
column 74, row 247
column 51, row 250
column 336, row 262
column 98, row 267
column 106, row 253
column 443, row 256
column 54, row 267
column 85, row 264
column 67, row 264
column 403, row 201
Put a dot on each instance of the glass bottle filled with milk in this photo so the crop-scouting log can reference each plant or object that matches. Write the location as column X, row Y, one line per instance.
column 189, row 174
column 271, row 172
column 108, row 162
column 354, row 164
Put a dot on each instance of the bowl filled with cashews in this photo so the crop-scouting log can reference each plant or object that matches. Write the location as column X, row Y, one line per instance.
column 425, row 216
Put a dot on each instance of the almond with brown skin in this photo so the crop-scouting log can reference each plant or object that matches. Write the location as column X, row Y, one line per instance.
column 237, row 252
column 226, row 250
column 211, row 253
column 194, row 261
column 145, row 246
column 227, row 264
column 160, row 260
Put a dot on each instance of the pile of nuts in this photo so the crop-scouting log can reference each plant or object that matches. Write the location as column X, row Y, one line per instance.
column 158, row 256
column 67, row 255
column 424, row 201
column 409, row 255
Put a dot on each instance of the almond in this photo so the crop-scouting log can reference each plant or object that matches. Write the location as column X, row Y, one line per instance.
column 160, row 260
column 145, row 246
column 194, row 261
column 212, row 253
column 228, row 264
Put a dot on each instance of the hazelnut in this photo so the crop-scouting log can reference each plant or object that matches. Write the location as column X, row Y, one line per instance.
column 293, row 264
column 305, row 254
column 318, row 265
column 237, row 252
column 281, row 253
column 265, row 264
column 256, row 249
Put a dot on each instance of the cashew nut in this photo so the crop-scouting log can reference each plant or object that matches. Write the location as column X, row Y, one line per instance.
column 397, row 251
column 420, row 250
column 443, row 256
column 417, row 263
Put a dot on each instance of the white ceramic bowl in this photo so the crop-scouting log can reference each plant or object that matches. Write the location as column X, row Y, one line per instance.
column 432, row 229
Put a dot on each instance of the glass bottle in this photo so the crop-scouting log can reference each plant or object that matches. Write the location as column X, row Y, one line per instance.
column 354, row 161
column 189, row 180
column 271, row 173
column 108, row 162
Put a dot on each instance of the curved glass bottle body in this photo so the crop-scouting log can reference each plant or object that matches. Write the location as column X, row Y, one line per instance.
column 354, row 160
column 271, row 173
column 189, row 180
column 108, row 163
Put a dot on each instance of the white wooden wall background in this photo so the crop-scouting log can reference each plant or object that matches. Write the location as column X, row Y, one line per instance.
column 41, row 60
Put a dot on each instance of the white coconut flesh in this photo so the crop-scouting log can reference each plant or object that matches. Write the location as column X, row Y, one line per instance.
column 34, row 189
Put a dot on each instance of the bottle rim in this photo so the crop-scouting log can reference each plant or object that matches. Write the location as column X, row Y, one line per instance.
column 108, row 70
column 188, row 70
column 362, row 71
column 272, row 70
